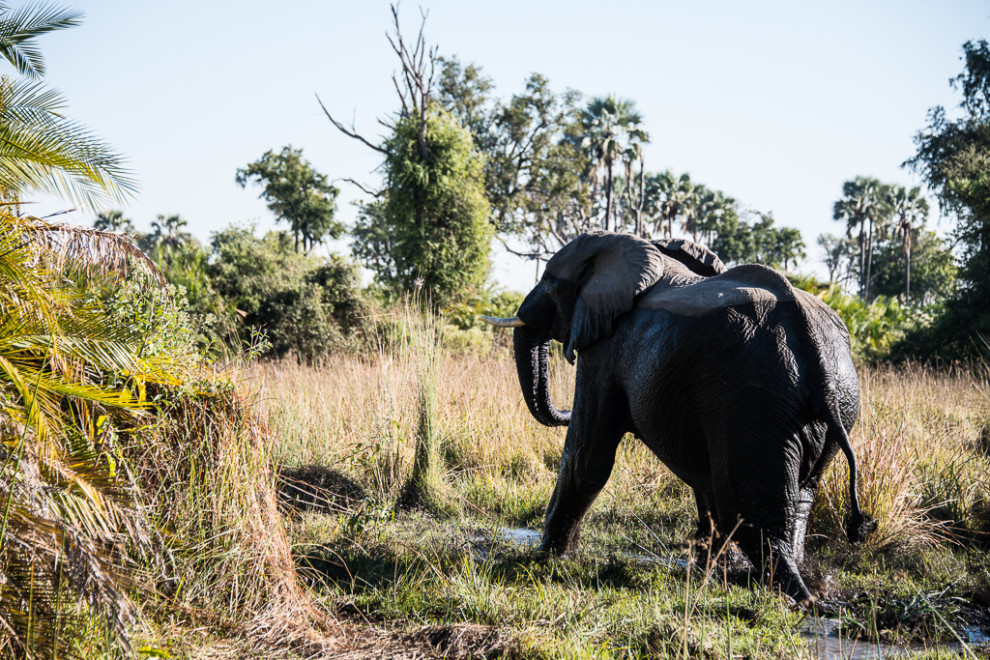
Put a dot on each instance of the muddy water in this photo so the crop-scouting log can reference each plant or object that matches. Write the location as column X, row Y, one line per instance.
column 827, row 644
column 823, row 635
column 825, row 640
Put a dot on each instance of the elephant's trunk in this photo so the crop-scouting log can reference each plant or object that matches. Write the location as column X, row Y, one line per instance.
column 533, row 367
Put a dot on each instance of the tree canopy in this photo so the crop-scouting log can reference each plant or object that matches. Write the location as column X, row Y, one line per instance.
column 953, row 157
column 429, row 230
column 297, row 194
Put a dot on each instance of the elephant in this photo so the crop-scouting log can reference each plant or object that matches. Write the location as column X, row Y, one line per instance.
column 742, row 385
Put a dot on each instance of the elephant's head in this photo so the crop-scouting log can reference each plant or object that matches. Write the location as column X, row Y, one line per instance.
column 586, row 286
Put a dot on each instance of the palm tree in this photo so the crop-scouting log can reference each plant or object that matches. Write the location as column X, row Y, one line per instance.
column 19, row 28
column 68, row 513
column 70, row 520
column 862, row 207
column 41, row 149
column 114, row 221
column 911, row 212
column 167, row 232
column 670, row 194
column 610, row 131
column 837, row 252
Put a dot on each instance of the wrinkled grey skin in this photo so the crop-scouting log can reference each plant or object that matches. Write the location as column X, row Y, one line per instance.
column 742, row 385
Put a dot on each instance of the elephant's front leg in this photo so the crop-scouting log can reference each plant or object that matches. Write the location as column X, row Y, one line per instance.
column 586, row 463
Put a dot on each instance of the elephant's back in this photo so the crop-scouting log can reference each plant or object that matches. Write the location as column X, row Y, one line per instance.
column 777, row 359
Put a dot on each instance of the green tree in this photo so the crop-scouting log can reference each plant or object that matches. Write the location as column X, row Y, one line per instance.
column 41, row 149
column 933, row 270
column 307, row 307
column 297, row 194
column 862, row 207
column 532, row 172
column 776, row 247
column 838, row 255
column 953, row 157
column 114, row 221
column 714, row 208
column 167, row 233
column 610, row 131
column 430, row 228
column 667, row 195
column 735, row 243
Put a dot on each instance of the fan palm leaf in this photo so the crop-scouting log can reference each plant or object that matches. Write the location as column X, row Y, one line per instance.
column 43, row 151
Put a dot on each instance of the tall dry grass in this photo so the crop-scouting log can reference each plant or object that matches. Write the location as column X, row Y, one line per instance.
column 208, row 482
column 921, row 441
column 360, row 415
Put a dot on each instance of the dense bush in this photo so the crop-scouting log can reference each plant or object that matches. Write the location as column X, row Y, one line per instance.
column 303, row 304
column 876, row 327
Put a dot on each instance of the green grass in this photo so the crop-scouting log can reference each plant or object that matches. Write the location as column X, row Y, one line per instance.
column 416, row 571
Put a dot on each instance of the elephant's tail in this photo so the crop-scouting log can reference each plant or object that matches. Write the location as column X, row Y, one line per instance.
column 859, row 525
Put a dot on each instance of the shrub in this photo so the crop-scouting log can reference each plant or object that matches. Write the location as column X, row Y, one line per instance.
column 875, row 328
column 306, row 306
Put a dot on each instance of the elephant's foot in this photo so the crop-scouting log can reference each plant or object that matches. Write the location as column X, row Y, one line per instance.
column 785, row 576
column 560, row 543
column 771, row 551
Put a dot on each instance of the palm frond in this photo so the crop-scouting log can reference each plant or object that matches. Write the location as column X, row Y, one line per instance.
column 19, row 28
column 69, row 520
column 43, row 151
column 105, row 252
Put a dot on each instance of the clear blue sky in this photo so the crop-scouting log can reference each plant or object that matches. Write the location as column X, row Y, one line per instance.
column 775, row 103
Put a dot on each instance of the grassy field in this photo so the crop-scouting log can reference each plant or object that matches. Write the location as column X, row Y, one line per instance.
column 452, row 566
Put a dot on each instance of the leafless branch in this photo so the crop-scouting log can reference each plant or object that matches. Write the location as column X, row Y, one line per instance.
column 349, row 133
column 361, row 186
column 418, row 70
column 524, row 255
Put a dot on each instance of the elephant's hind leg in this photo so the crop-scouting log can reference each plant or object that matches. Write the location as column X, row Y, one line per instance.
column 763, row 496
column 772, row 553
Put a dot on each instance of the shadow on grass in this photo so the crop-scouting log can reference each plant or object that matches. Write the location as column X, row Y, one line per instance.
column 316, row 489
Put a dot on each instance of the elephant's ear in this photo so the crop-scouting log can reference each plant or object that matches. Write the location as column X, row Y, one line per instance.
column 619, row 269
column 696, row 257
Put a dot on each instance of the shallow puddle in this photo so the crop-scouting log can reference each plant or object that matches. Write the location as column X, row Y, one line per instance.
column 824, row 638
column 822, row 634
column 521, row 536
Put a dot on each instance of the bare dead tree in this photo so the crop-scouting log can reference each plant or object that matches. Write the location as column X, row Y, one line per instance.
column 418, row 69
column 414, row 83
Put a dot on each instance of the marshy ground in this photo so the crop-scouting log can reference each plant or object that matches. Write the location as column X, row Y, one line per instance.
column 456, row 575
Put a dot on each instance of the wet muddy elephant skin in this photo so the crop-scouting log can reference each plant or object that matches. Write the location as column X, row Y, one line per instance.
column 742, row 385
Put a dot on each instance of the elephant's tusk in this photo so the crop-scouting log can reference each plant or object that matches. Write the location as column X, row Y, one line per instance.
column 513, row 322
